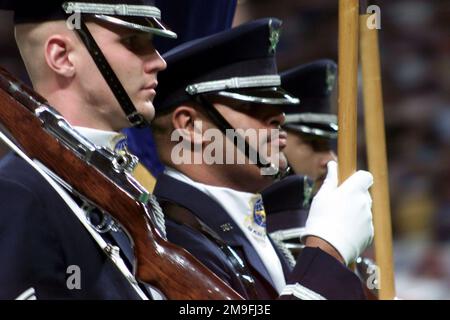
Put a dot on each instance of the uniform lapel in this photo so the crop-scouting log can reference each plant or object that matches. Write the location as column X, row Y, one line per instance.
column 286, row 268
column 212, row 214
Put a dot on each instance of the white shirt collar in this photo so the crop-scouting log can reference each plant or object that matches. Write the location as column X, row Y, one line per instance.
column 102, row 138
column 242, row 202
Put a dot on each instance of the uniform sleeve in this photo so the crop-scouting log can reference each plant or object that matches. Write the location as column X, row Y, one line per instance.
column 30, row 256
column 317, row 276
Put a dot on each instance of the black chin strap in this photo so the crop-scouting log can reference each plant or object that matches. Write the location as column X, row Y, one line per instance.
column 136, row 119
column 240, row 143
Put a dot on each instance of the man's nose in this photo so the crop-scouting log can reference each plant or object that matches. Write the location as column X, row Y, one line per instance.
column 326, row 157
column 154, row 63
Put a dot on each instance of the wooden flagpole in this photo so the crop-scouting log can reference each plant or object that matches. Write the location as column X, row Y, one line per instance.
column 347, row 87
column 377, row 158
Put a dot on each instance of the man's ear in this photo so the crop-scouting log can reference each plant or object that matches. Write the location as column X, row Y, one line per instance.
column 183, row 119
column 57, row 55
column 189, row 122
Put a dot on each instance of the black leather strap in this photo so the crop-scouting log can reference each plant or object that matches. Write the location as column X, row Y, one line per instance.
column 242, row 272
column 135, row 118
column 224, row 125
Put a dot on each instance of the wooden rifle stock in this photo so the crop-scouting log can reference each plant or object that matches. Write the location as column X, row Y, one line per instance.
column 160, row 263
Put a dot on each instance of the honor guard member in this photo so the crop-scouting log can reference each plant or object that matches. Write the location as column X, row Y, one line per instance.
column 75, row 53
column 191, row 20
column 311, row 134
column 230, row 81
column 312, row 128
column 311, row 138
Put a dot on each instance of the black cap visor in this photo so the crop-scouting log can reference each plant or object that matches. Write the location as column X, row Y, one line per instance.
column 329, row 130
column 143, row 24
column 271, row 95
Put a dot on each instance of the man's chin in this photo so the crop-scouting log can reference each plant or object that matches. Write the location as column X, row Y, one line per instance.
column 282, row 162
column 147, row 110
column 281, row 165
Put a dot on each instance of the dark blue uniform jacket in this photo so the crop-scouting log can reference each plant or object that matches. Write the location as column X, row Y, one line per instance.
column 314, row 270
column 40, row 238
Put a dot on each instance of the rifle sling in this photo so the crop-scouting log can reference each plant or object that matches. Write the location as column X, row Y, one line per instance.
column 135, row 118
column 185, row 217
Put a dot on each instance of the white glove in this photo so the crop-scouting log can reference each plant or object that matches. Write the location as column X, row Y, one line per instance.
column 342, row 215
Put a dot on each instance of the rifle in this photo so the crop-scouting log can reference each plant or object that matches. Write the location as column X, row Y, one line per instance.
column 99, row 177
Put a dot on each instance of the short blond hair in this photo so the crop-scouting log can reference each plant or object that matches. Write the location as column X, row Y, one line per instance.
column 31, row 39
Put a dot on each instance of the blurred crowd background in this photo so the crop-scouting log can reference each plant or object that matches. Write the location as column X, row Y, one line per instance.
column 415, row 53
